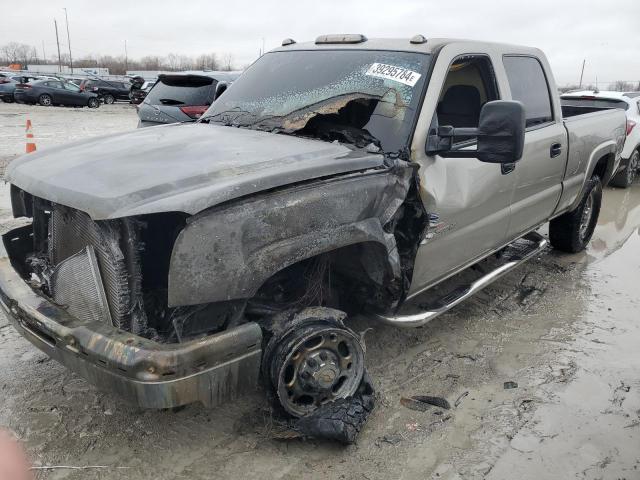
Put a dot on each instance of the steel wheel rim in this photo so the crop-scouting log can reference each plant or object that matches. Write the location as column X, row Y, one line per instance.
column 323, row 365
column 587, row 215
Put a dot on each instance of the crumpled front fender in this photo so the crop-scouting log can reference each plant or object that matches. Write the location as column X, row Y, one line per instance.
column 228, row 252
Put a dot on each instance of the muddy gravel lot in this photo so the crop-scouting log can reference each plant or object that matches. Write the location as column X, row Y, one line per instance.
column 541, row 371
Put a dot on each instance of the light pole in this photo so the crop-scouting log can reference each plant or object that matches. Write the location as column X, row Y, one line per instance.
column 68, row 40
column 55, row 23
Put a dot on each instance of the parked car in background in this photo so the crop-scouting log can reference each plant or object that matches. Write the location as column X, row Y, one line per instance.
column 55, row 92
column 181, row 97
column 629, row 102
column 8, row 84
column 108, row 91
column 138, row 95
column 76, row 81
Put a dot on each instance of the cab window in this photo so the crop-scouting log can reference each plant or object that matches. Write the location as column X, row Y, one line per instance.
column 470, row 83
column 528, row 85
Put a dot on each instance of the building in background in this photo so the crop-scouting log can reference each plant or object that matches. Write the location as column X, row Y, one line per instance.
column 66, row 70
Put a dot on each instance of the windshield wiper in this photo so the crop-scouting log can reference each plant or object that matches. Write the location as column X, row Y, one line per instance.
column 220, row 117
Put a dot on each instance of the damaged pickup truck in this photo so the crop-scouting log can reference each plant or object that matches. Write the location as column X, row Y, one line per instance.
column 183, row 263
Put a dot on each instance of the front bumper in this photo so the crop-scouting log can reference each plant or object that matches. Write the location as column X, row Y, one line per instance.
column 210, row 370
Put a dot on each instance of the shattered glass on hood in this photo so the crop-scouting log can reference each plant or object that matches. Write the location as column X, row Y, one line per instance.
column 328, row 94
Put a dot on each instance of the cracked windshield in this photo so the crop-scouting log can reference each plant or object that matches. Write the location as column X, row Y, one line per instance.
column 352, row 96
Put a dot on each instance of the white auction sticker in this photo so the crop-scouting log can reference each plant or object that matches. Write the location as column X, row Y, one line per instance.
column 398, row 74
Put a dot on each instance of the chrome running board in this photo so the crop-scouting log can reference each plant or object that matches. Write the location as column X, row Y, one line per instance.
column 463, row 292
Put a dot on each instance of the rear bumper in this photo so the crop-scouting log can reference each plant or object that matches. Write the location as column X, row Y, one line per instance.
column 211, row 370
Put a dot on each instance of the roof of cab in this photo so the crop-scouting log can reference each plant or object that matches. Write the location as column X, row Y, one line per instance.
column 398, row 44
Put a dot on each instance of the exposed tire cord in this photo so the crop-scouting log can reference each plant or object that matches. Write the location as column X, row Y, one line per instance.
column 564, row 231
column 340, row 421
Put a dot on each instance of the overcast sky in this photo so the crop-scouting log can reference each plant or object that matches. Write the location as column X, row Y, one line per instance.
column 567, row 30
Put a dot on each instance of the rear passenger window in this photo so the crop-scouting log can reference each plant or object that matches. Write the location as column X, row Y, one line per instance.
column 529, row 85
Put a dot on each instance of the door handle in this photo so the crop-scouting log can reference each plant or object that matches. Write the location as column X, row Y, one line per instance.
column 556, row 150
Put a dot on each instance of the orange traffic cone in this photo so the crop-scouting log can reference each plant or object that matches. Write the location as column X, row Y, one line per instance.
column 31, row 146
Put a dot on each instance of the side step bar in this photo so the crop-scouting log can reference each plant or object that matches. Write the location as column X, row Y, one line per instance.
column 463, row 292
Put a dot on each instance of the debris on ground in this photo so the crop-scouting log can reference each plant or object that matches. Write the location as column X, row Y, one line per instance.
column 412, row 427
column 467, row 357
column 391, row 439
column 509, row 385
column 460, row 398
column 421, row 403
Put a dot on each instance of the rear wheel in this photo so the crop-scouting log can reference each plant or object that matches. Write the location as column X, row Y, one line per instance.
column 572, row 231
column 45, row 100
column 108, row 99
column 625, row 178
column 93, row 102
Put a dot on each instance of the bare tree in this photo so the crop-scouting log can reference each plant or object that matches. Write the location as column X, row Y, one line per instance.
column 621, row 86
column 148, row 63
column 172, row 61
column 207, row 61
column 227, row 62
column 14, row 52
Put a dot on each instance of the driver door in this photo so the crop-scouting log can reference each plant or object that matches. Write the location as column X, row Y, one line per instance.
column 74, row 95
column 468, row 201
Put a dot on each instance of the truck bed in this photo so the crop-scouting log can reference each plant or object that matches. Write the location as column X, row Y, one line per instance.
column 577, row 107
column 591, row 132
column 569, row 111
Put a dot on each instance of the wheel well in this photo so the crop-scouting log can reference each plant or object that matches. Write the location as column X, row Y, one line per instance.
column 601, row 166
column 347, row 278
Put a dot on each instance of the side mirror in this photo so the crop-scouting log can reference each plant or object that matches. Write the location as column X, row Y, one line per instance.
column 220, row 89
column 500, row 135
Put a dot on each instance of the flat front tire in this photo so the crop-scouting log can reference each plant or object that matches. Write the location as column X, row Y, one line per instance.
column 572, row 231
column 313, row 361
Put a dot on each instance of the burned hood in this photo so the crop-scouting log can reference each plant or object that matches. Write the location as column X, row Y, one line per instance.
column 185, row 168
